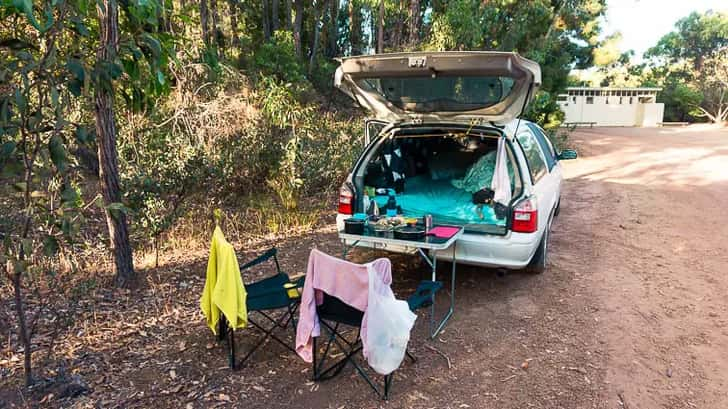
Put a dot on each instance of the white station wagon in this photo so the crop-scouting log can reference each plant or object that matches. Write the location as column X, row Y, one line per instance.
column 433, row 146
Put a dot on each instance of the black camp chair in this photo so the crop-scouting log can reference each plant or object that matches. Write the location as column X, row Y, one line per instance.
column 335, row 316
column 264, row 297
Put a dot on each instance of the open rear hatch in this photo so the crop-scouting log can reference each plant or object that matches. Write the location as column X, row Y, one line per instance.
column 441, row 86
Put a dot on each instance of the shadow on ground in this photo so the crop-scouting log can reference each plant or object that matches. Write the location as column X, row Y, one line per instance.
column 507, row 338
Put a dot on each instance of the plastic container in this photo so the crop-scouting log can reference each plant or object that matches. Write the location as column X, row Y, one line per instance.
column 391, row 205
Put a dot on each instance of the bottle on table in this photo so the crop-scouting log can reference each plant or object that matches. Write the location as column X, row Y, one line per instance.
column 391, row 204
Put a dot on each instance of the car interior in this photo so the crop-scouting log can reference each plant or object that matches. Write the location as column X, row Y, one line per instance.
column 437, row 174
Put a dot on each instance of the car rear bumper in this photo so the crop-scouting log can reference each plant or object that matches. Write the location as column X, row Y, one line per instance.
column 512, row 251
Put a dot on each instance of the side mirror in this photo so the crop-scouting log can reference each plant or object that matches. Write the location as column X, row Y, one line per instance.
column 567, row 154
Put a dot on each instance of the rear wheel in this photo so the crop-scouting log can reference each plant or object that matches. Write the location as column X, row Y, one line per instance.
column 538, row 262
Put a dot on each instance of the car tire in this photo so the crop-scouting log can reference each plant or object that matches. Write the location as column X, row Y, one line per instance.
column 538, row 261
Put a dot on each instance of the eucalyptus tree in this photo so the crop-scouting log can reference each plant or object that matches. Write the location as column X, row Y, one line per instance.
column 53, row 87
column 694, row 61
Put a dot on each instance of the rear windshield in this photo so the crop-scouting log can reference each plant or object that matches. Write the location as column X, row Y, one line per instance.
column 446, row 93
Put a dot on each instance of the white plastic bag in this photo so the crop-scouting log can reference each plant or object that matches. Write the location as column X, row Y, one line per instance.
column 389, row 322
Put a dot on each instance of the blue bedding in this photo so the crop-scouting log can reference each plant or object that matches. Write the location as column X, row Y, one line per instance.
column 446, row 203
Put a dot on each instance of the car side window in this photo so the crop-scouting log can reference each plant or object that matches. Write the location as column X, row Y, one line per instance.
column 534, row 156
column 546, row 146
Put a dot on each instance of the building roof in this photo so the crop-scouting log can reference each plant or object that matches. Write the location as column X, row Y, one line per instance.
column 613, row 89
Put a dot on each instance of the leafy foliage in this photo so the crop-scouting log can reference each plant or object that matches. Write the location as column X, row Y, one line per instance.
column 47, row 74
column 278, row 58
column 36, row 90
column 696, row 38
column 694, row 67
column 680, row 100
column 557, row 35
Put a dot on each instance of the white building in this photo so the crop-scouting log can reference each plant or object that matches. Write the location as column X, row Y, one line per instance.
column 611, row 106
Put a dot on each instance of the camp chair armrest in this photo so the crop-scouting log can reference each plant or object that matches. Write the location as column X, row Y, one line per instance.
column 298, row 280
column 262, row 258
column 269, row 291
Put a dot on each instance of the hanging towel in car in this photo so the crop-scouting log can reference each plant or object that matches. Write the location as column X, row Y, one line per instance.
column 224, row 290
column 501, row 183
column 344, row 280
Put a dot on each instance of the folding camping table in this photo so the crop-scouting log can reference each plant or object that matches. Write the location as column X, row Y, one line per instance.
column 431, row 243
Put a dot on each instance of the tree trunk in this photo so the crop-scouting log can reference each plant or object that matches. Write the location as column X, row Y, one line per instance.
column 354, row 28
column 274, row 16
column 170, row 12
column 235, row 40
column 297, row 28
column 698, row 63
column 333, row 35
column 289, row 23
column 165, row 18
column 414, row 22
column 398, row 33
column 106, row 141
column 380, row 28
column 266, row 20
column 22, row 325
column 319, row 10
column 205, row 25
column 217, row 34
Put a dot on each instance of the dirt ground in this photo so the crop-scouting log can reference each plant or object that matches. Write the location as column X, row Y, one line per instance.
column 645, row 230
column 632, row 312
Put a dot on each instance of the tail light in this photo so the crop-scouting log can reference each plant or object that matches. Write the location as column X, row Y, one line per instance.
column 346, row 199
column 525, row 216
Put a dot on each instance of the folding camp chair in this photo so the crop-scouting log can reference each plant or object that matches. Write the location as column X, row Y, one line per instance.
column 335, row 315
column 278, row 292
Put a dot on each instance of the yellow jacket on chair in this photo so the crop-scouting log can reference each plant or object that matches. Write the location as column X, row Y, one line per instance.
column 224, row 290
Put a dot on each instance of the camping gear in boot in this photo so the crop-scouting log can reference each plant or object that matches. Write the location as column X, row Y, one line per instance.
column 501, row 211
column 483, row 196
column 391, row 204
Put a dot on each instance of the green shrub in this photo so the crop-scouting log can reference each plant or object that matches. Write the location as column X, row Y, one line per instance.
column 278, row 58
column 544, row 110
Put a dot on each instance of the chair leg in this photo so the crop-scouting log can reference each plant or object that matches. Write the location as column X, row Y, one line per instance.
column 350, row 350
column 268, row 334
column 225, row 332
column 387, row 385
column 222, row 327
column 232, row 348
column 315, row 368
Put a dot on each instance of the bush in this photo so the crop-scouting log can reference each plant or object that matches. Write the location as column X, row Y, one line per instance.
column 278, row 58
column 322, row 76
column 544, row 110
column 230, row 141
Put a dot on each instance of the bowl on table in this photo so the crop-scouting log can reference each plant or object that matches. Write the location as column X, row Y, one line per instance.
column 354, row 225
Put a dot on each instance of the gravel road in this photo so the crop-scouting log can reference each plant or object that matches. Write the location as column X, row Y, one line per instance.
column 644, row 223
